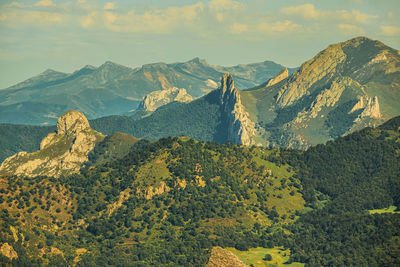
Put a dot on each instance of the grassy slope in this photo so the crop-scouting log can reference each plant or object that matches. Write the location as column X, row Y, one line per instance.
column 255, row 256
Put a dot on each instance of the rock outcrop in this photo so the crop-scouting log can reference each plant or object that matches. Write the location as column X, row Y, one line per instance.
column 241, row 130
column 159, row 98
column 62, row 152
column 278, row 78
column 223, row 258
column 301, row 81
column 8, row 251
column 370, row 107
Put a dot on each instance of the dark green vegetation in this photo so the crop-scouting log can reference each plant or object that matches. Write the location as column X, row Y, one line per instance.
column 16, row 138
column 200, row 119
column 164, row 203
column 341, row 181
column 114, row 89
column 168, row 202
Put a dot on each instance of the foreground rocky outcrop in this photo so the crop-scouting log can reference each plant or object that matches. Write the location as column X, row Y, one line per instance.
column 62, row 152
column 223, row 258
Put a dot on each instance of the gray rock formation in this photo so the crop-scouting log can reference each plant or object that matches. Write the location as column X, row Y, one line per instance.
column 281, row 76
column 62, row 152
column 159, row 98
column 223, row 258
column 370, row 107
column 241, row 130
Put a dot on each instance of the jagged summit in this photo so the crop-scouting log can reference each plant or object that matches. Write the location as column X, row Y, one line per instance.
column 227, row 84
column 62, row 152
column 280, row 77
column 241, row 130
column 49, row 71
column 110, row 64
column 72, row 122
column 198, row 60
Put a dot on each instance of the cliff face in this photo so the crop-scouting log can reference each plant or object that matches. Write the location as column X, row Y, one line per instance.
column 159, row 98
column 62, row 152
column 278, row 78
column 241, row 130
column 345, row 87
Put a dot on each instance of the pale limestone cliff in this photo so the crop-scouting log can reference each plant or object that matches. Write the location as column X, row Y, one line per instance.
column 151, row 191
column 278, row 78
column 323, row 66
column 326, row 98
column 370, row 107
column 223, row 258
column 62, row 152
column 241, row 130
column 8, row 251
column 159, row 98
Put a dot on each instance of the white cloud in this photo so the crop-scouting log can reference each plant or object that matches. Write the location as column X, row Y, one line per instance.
column 355, row 16
column 88, row 20
column 349, row 29
column 45, row 3
column 16, row 4
column 152, row 21
column 239, row 28
column 286, row 26
column 306, row 11
column 220, row 5
column 220, row 8
column 219, row 17
column 309, row 12
column 390, row 30
column 109, row 6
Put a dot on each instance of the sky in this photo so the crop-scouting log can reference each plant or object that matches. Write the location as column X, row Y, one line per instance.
column 36, row 35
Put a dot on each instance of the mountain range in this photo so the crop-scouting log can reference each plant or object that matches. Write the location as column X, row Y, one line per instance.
column 347, row 86
column 113, row 89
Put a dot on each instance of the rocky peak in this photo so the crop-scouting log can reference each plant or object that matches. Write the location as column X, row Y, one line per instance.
column 227, row 88
column 241, row 130
column 48, row 72
column 370, row 107
column 283, row 74
column 62, row 152
column 159, row 98
column 198, row 61
column 72, row 122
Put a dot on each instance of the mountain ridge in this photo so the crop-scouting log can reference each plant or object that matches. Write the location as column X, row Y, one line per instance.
column 111, row 89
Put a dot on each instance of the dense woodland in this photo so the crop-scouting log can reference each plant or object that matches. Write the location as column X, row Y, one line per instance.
column 182, row 197
column 16, row 138
column 201, row 120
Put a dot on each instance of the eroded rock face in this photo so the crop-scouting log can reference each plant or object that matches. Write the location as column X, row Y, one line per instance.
column 62, row 152
column 72, row 122
column 278, row 78
column 159, row 98
column 8, row 251
column 241, row 130
column 370, row 107
column 223, row 258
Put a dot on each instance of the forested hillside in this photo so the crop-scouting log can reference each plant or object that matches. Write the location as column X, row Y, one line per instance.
column 168, row 203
